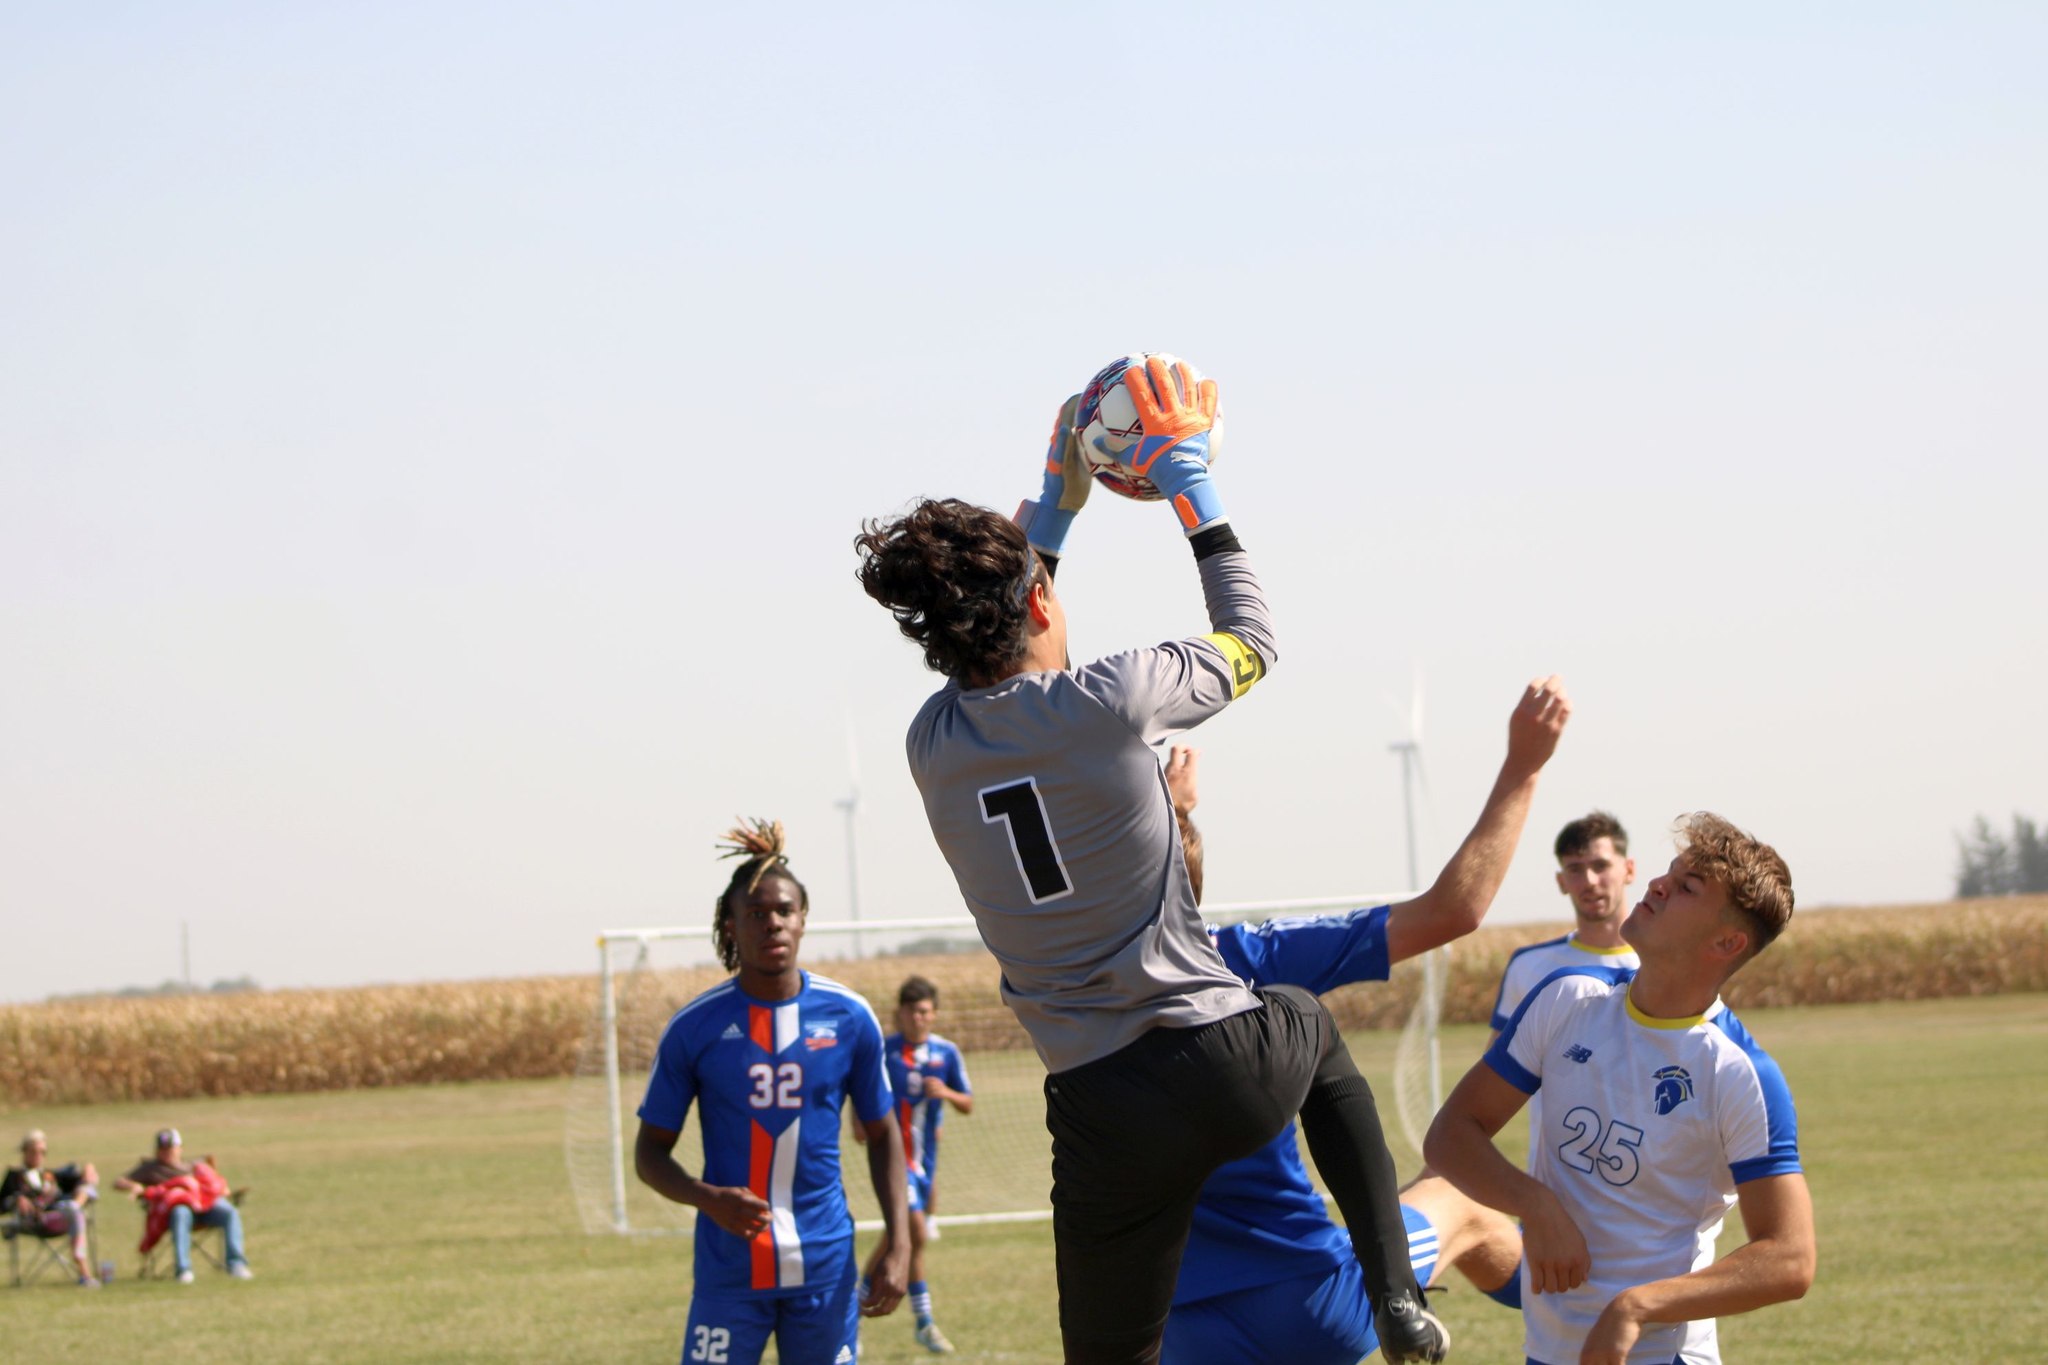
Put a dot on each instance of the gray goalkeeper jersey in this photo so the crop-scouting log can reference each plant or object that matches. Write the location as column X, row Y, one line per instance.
column 1047, row 799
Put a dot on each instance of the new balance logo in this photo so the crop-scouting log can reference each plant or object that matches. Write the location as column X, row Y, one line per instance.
column 732, row 1031
column 1579, row 1052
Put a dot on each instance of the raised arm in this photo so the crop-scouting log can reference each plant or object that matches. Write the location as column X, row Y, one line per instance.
column 1178, row 413
column 1458, row 900
column 1775, row 1265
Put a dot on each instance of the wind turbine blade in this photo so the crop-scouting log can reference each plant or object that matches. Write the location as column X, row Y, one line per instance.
column 1392, row 705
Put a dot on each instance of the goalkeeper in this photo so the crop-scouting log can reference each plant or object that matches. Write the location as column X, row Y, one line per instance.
column 1043, row 792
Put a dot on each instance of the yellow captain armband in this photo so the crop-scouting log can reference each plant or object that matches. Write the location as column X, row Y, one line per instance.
column 1246, row 667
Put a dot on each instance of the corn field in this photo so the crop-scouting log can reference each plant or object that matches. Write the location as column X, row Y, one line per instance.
column 92, row 1051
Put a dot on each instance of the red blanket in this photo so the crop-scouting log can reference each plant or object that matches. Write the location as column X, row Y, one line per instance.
column 198, row 1191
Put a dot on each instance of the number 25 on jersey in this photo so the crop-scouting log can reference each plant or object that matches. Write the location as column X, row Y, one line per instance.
column 1599, row 1147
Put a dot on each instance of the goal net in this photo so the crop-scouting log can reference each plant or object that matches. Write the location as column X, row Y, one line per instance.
column 994, row 1165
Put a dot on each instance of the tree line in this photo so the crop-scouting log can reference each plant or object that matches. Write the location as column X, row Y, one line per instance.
column 1989, row 863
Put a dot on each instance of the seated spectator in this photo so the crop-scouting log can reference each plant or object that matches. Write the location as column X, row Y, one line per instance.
column 51, row 1203
column 181, row 1196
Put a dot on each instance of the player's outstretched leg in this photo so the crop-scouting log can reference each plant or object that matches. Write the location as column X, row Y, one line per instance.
column 1342, row 1124
column 1482, row 1244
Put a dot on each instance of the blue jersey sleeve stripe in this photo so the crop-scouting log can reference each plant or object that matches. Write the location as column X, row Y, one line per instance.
column 1769, row 1164
column 1510, row 1070
column 1500, row 997
column 1497, row 1056
column 1780, row 1116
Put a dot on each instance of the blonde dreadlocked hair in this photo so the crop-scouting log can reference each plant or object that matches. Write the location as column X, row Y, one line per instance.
column 760, row 846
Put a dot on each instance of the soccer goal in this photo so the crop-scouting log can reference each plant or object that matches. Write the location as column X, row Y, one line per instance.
column 993, row 1165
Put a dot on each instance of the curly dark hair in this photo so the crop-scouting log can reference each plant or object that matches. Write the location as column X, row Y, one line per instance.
column 759, row 844
column 957, row 579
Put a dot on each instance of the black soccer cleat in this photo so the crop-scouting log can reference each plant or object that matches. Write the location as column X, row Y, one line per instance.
column 1409, row 1332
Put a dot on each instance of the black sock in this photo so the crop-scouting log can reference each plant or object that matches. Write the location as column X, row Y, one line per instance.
column 1342, row 1124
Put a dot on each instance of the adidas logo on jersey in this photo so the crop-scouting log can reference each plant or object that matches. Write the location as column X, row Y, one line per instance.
column 732, row 1031
column 845, row 1356
column 1579, row 1052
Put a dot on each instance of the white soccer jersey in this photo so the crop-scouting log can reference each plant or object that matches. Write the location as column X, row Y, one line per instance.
column 1648, row 1127
column 1527, row 967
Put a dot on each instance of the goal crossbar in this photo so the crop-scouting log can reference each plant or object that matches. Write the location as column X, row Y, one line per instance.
column 1228, row 913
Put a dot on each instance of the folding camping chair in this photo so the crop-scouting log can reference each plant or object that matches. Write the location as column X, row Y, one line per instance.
column 209, row 1244
column 48, row 1251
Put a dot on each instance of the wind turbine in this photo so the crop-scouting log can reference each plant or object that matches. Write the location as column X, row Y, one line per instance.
column 1410, row 750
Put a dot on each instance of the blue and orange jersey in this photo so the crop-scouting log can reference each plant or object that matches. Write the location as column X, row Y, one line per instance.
column 768, row 1079
column 919, row 1115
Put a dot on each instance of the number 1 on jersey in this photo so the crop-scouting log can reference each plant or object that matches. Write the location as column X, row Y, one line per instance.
column 1018, row 807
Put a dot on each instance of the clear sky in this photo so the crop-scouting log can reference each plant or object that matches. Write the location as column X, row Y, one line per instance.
column 432, row 436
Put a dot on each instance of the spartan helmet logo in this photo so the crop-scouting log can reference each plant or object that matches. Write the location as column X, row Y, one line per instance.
column 1674, row 1087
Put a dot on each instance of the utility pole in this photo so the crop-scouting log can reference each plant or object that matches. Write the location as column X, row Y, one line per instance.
column 1434, row 961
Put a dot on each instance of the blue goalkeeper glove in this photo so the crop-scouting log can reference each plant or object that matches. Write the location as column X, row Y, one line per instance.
column 1066, row 485
column 1177, row 413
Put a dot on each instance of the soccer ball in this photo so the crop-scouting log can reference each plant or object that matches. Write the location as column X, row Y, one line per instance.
column 1108, row 424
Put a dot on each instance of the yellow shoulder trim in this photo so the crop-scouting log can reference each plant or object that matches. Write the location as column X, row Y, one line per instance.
column 1652, row 1021
column 1246, row 667
column 1603, row 952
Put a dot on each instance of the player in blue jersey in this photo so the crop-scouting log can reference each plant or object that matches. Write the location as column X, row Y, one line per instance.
column 769, row 1059
column 1267, row 1277
column 927, row 1073
column 1661, row 1113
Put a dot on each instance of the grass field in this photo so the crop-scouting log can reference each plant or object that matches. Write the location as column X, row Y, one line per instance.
column 433, row 1224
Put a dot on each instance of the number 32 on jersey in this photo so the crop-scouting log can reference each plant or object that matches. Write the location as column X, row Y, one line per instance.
column 776, row 1087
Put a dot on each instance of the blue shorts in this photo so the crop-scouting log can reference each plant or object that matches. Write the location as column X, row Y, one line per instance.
column 1313, row 1320
column 809, row 1329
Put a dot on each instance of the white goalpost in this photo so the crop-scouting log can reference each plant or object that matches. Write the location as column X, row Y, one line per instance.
column 993, row 1166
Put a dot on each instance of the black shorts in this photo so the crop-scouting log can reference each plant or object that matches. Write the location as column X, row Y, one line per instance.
column 1135, row 1134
